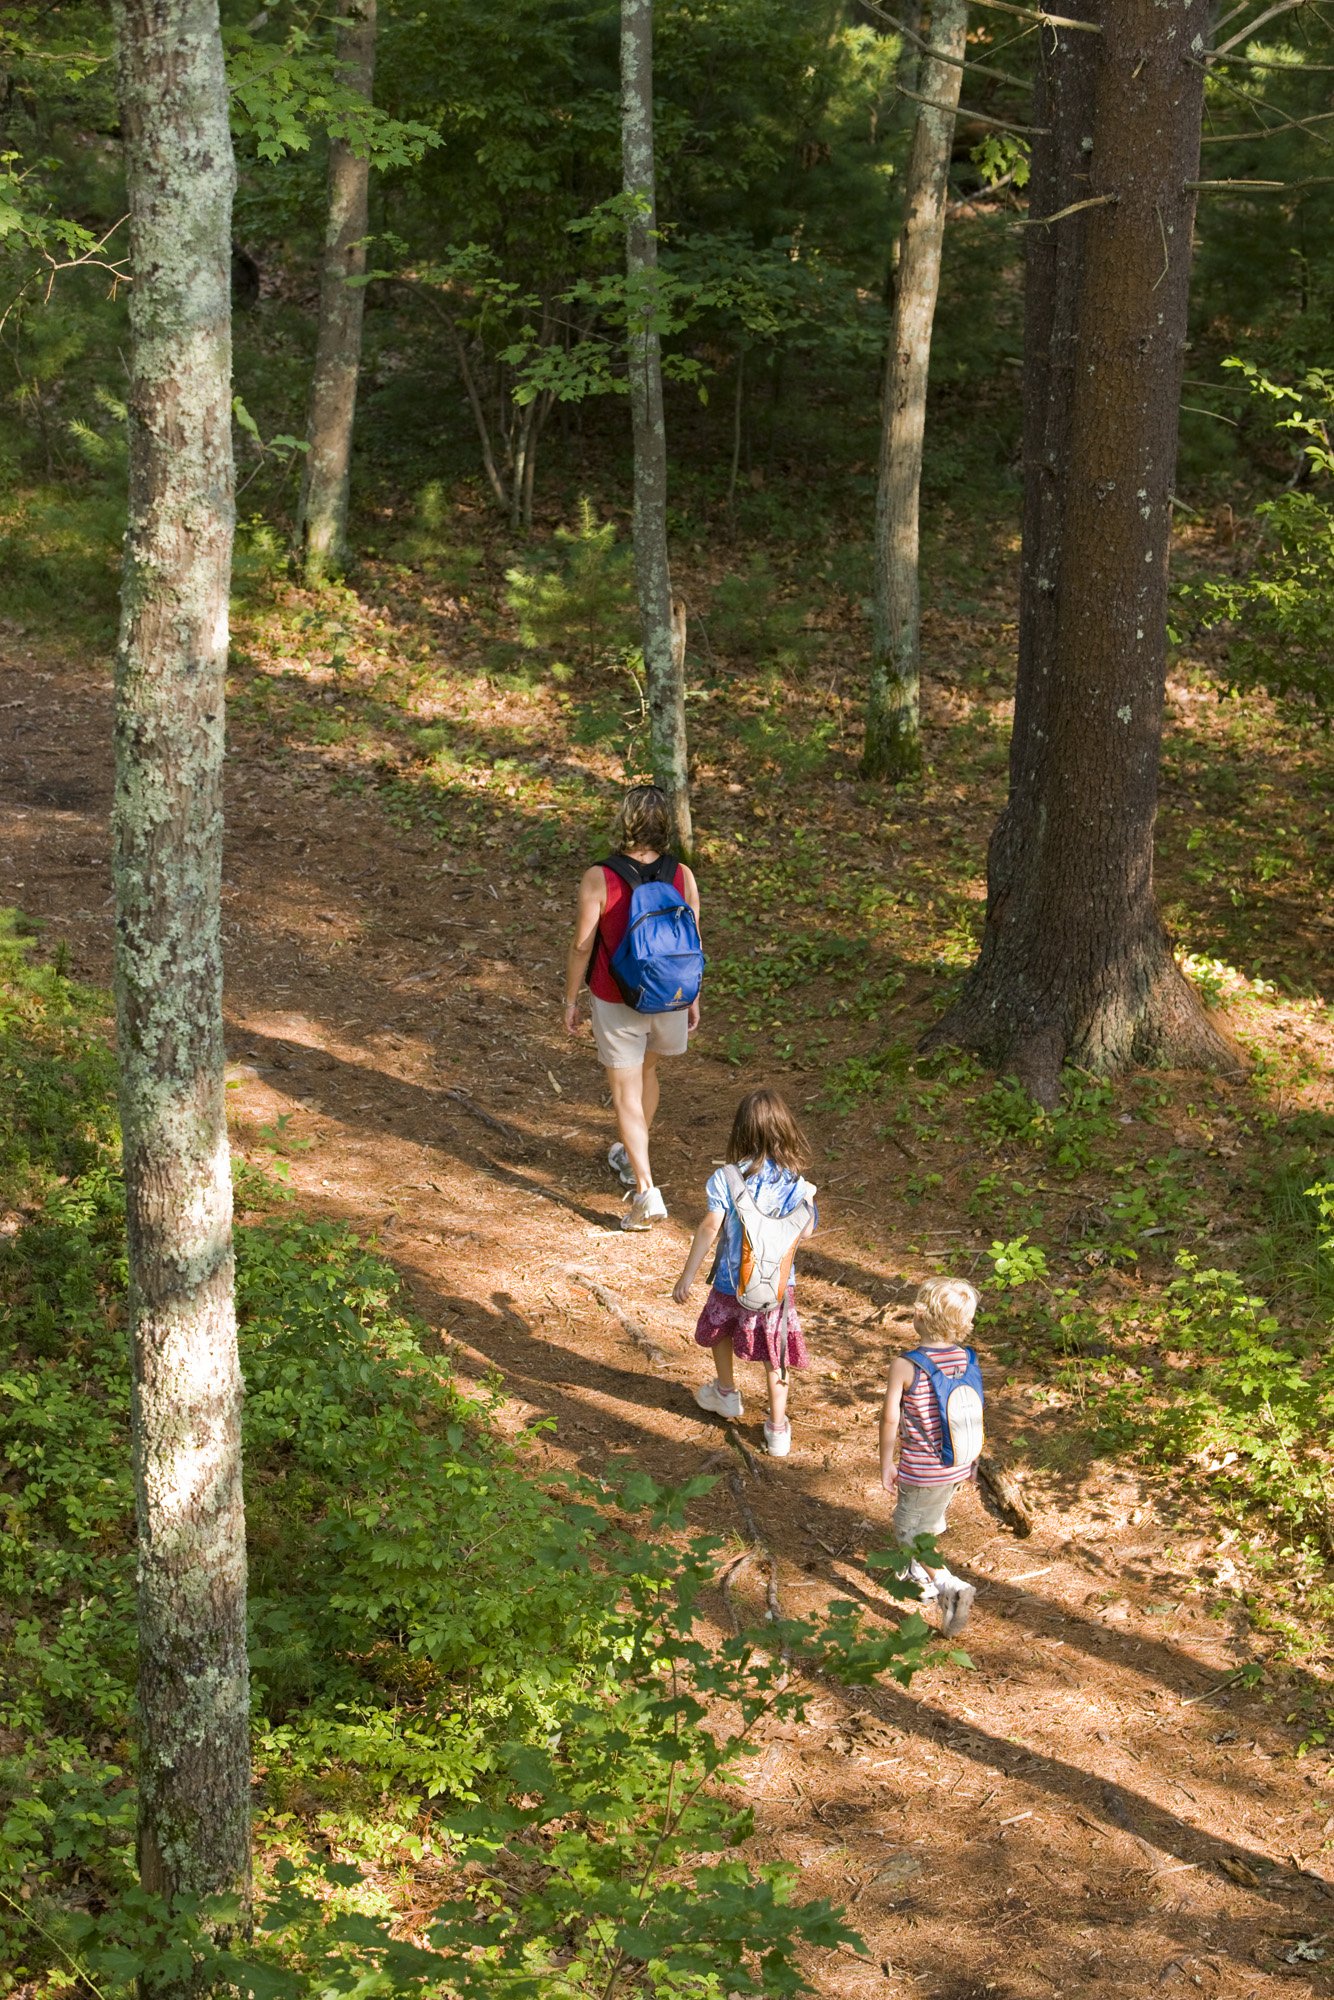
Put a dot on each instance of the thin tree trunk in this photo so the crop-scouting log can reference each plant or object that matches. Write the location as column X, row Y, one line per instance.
column 893, row 746
column 665, row 678
column 493, row 477
column 322, row 515
column 1075, row 965
column 194, row 1773
column 519, row 477
column 738, row 409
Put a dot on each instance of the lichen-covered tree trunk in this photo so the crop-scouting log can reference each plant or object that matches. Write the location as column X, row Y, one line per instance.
column 1075, row 965
column 322, row 513
column 194, row 1773
column 893, row 724
column 664, row 670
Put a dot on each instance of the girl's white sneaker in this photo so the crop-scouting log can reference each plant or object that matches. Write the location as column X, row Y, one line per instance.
column 777, row 1443
column 721, row 1402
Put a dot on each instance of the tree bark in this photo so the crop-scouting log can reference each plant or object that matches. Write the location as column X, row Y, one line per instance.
column 1075, row 965
column 194, row 1772
column 322, row 513
column 664, row 674
column 893, row 747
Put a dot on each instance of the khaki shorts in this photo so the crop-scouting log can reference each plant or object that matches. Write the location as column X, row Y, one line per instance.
column 624, row 1037
column 921, row 1510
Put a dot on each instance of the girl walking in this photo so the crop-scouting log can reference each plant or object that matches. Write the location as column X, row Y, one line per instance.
column 765, row 1155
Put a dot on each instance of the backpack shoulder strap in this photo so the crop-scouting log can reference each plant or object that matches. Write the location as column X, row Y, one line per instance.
column 735, row 1179
column 663, row 869
column 629, row 871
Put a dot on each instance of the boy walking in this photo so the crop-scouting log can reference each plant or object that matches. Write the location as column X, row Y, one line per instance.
column 932, row 1420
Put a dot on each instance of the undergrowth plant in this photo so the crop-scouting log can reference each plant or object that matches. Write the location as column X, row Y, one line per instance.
column 581, row 603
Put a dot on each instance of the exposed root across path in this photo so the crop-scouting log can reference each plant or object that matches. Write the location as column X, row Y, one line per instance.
column 655, row 1355
column 1096, row 1808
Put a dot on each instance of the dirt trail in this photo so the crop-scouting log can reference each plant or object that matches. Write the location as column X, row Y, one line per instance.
column 1086, row 1811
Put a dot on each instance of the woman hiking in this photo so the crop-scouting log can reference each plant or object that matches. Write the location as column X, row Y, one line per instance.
column 629, row 1041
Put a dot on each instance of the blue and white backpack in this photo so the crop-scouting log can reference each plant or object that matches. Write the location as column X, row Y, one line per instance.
column 659, row 963
column 960, row 1402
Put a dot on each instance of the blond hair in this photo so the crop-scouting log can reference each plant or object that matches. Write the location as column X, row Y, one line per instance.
column 644, row 821
column 946, row 1307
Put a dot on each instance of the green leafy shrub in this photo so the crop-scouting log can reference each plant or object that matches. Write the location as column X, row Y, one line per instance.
column 753, row 622
column 1251, row 1403
column 1278, row 614
column 609, row 1861
column 391, row 1650
column 1017, row 1262
column 583, row 601
column 1069, row 1135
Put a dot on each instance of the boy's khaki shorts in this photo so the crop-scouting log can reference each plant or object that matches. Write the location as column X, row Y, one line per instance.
column 921, row 1510
column 624, row 1037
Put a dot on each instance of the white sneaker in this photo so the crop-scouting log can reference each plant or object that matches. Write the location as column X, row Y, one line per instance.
column 619, row 1162
column 646, row 1209
column 956, row 1602
column 924, row 1580
column 777, row 1443
column 719, row 1401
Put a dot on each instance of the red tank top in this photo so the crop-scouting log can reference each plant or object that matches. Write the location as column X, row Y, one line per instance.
column 919, row 1454
column 611, row 929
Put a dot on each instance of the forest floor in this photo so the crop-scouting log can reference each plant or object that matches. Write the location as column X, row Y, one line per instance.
column 1096, row 1805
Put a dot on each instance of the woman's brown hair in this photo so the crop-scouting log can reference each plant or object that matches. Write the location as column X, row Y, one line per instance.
column 644, row 821
column 764, row 1125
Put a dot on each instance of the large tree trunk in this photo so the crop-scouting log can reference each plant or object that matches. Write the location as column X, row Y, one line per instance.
column 322, row 515
column 1075, row 965
column 663, row 671
column 893, row 747
column 194, row 1772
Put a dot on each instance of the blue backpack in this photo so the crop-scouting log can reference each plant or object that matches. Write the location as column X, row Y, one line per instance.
column 659, row 963
column 959, row 1400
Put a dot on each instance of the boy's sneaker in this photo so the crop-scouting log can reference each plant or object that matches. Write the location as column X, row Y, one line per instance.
column 777, row 1443
column 646, row 1209
column 619, row 1162
column 720, row 1402
column 956, row 1602
column 924, row 1580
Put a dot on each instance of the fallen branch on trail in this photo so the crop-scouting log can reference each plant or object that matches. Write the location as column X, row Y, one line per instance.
column 760, row 1547
column 725, row 1585
column 464, row 1101
column 743, row 1451
column 1001, row 1492
column 656, row 1357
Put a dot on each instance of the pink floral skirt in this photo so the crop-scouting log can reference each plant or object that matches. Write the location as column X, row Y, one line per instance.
column 754, row 1335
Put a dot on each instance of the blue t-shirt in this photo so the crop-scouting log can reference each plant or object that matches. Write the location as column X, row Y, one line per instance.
column 777, row 1190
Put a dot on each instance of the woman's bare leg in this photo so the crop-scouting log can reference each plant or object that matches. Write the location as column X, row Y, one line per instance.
column 650, row 1090
column 627, row 1099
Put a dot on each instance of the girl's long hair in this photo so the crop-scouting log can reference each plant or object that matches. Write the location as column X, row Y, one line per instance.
column 764, row 1125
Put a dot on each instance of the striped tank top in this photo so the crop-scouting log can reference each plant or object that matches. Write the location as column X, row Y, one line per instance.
column 919, row 1426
